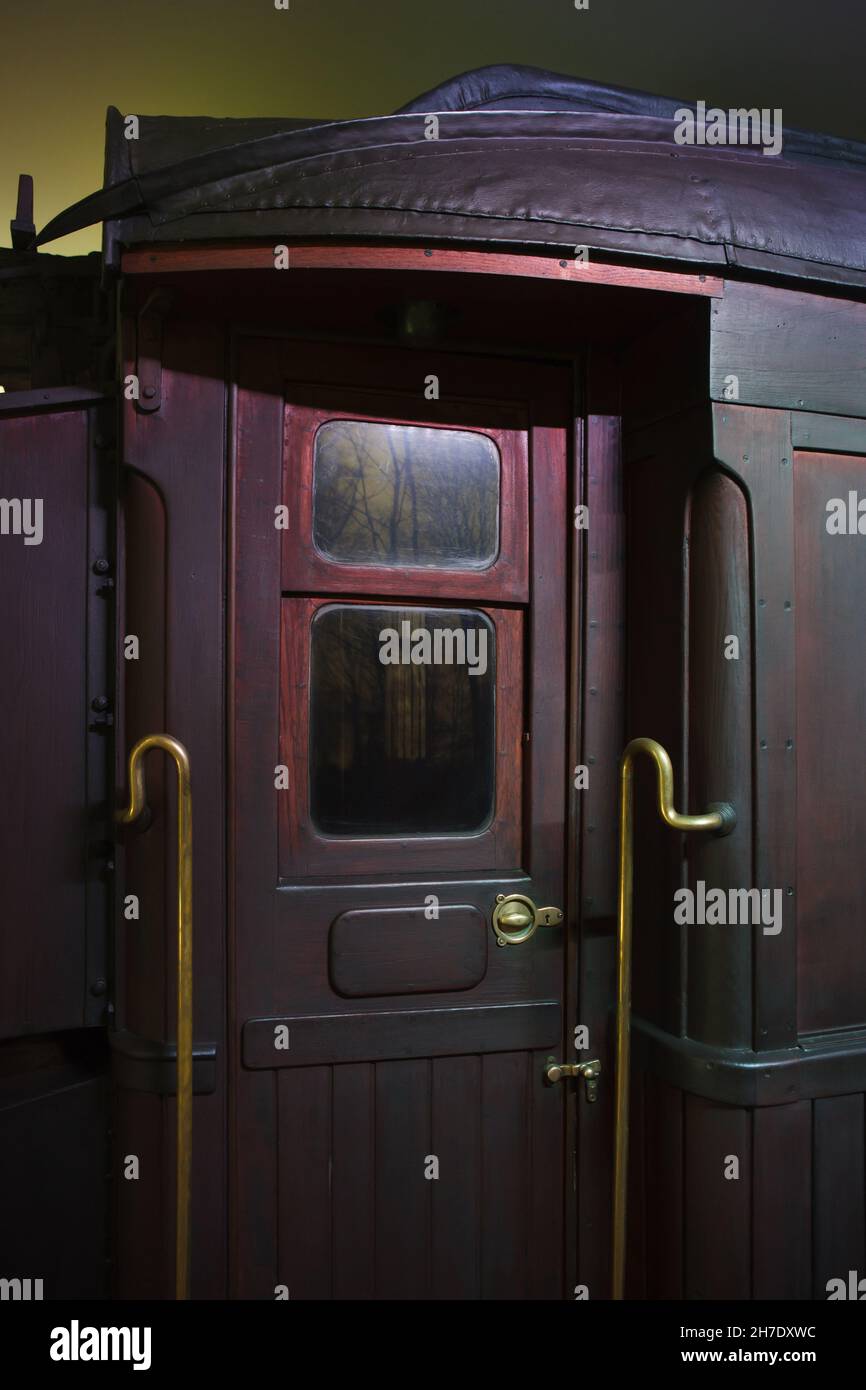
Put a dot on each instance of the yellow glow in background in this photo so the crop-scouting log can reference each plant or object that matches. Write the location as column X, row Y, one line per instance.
column 62, row 63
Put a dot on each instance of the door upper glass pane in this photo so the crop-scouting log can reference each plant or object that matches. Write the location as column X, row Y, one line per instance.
column 405, row 495
column 402, row 723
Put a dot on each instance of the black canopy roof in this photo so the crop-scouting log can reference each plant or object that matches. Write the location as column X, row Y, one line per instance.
column 523, row 158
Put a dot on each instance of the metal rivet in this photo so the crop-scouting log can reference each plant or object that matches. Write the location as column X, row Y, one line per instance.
column 98, row 988
column 763, row 743
column 101, row 565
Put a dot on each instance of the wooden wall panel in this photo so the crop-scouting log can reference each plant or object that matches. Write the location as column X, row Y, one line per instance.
column 719, row 694
column 838, row 1199
column 718, row 1210
column 663, row 1186
column 44, row 716
column 782, row 1213
column 831, row 720
column 790, row 349
column 176, row 456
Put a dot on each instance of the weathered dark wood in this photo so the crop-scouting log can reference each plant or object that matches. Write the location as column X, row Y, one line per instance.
column 54, row 1104
column 831, row 696
column 505, row 1110
column 788, row 349
column 177, row 683
column 755, row 445
column 718, row 1209
column 353, row 1200
column 782, row 1214
column 45, row 830
column 455, row 1268
column 839, row 1228
column 664, row 1190
column 401, row 950
column 305, row 1146
column 828, row 434
column 403, row 1193
column 370, row 1037
column 721, row 745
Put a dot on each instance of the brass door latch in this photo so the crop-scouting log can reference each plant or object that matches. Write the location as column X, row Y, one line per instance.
column 516, row 918
column 561, row 1071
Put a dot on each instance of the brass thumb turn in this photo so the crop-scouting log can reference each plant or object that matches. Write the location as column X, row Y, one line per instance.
column 516, row 918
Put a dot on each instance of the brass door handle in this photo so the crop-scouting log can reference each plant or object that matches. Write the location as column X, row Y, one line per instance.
column 516, row 918
column 721, row 818
column 137, row 801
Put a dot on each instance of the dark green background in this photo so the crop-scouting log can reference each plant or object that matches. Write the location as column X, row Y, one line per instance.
column 62, row 64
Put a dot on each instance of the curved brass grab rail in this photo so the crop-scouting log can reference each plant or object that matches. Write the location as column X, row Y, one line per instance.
column 137, row 800
column 721, row 818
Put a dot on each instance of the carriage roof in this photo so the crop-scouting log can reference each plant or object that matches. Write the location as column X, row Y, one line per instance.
column 523, row 159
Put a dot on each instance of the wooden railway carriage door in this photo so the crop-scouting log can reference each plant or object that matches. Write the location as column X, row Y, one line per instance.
column 397, row 763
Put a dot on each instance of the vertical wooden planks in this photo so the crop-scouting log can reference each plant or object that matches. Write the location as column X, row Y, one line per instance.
column 305, row 1181
column 664, row 1190
column 755, row 445
column 718, row 1208
column 456, row 1129
column 44, row 713
column 505, row 1109
column 838, row 1199
column 353, row 1192
column 403, row 1193
column 831, row 705
column 782, row 1172
column 721, row 744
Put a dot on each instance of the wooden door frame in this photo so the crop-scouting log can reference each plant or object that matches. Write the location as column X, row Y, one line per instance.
column 193, row 494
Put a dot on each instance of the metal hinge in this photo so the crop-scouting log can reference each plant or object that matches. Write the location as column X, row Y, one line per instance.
column 561, row 1071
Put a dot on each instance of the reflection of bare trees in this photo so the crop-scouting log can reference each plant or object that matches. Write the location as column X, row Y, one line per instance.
column 406, row 495
column 397, row 749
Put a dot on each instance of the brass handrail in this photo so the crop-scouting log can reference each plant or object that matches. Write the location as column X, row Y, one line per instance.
column 137, row 801
column 722, row 818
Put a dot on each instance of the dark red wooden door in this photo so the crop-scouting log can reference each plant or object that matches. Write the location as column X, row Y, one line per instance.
column 398, row 758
